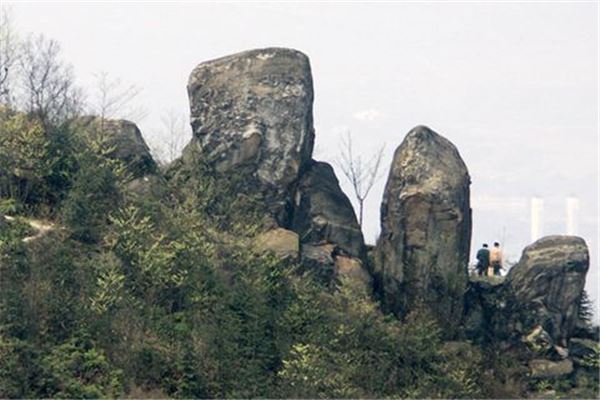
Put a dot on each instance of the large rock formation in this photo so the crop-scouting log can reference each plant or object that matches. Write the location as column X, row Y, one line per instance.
column 422, row 253
column 251, row 113
column 125, row 140
column 548, row 282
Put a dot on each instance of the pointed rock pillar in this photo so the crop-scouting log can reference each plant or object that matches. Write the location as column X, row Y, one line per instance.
column 422, row 254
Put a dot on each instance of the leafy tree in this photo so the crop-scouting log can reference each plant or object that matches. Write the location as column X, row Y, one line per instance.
column 586, row 308
column 77, row 369
column 149, row 256
column 18, row 368
column 24, row 156
column 110, row 284
column 93, row 196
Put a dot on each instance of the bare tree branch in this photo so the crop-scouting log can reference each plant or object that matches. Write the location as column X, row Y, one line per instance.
column 175, row 134
column 111, row 99
column 9, row 54
column 361, row 175
column 47, row 85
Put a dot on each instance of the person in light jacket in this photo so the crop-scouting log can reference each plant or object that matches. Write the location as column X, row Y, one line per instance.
column 496, row 258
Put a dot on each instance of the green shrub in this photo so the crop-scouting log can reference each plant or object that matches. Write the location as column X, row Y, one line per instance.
column 93, row 195
column 78, row 369
column 19, row 368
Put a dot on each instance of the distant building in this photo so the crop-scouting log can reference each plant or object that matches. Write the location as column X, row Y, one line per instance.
column 572, row 209
column 537, row 210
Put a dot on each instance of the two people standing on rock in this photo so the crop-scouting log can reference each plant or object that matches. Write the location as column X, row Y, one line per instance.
column 489, row 261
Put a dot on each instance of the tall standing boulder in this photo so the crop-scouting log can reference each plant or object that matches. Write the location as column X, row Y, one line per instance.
column 251, row 114
column 422, row 253
column 547, row 284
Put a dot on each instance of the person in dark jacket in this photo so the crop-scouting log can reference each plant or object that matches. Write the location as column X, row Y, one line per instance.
column 483, row 260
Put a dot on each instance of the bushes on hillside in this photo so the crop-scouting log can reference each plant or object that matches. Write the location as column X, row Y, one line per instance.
column 173, row 300
column 94, row 194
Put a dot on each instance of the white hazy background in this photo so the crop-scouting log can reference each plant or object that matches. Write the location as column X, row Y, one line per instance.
column 513, row 85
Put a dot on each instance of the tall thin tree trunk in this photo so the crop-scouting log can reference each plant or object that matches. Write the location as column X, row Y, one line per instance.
column 360, row 208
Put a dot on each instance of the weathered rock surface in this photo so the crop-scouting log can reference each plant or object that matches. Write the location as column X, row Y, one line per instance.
column 251, row 113
column 423, row 249
column 126, row 139
column 323, row 213
column 280, row 241
column 548, row 281
column 544, row 369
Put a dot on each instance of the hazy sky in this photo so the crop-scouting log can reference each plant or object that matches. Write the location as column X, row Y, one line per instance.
column 513, row 85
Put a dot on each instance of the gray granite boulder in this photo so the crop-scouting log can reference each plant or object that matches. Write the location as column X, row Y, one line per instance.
column 251, row 114
column 423, row 250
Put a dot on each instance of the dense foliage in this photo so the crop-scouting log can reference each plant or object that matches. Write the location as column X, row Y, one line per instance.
column 133, row 294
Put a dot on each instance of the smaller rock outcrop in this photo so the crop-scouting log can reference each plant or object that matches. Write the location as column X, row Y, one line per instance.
column 323, row 213
column 538, row 303
column 331, row 239
column 125, row 140
column 548, row 281
column 422, row 253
